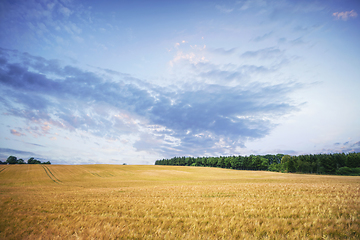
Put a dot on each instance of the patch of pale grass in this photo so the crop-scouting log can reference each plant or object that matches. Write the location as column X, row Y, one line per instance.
column 167, row 202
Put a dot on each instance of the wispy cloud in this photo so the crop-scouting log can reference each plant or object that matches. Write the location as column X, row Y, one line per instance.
column 345, row 15
column 224, row 75
column 30, row 144
column 263, row 37
column 265, row 53
column 247, row 4
column 346, row 147
column 52, row 23
column 297, row 41
column 224, row 9
column 16, row 152
column 16, row 133
column 222, row 51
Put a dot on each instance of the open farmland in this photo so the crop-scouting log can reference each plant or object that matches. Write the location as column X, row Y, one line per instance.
column 168, row 202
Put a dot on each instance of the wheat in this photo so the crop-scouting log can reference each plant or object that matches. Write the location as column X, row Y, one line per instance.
column 167, row 202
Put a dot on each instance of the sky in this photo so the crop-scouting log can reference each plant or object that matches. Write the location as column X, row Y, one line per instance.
column 113, row 82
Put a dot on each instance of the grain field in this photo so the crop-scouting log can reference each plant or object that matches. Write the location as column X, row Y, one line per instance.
column 169, row 202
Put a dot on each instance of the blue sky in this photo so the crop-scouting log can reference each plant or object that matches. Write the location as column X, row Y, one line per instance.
column 135, row 81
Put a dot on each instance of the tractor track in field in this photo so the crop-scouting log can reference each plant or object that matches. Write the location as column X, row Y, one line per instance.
column 95, row 174
column 3, row 169
column 51, row 175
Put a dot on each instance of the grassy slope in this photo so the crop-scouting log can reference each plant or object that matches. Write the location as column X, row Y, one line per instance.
column 115, row 201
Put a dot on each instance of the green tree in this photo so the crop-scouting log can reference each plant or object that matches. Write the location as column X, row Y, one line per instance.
column 198, row 162
column 188, row 161
column 20, row 161
column 264, row 165
column 288, row 163
column 33, row 161
column 246, row 163
column 227, row 162
column 353, row 160
column 257, row 163
column 306, row 167
column 278, row 157
column 12, row 160
column 291, row 165
column 240, row 162
column 204, row 161
column 221, row 162
column 251, row 162
column 235, row 162
column 181, row 161
column 275, row 167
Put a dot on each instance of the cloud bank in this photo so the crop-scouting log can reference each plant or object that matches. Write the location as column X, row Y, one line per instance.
column 196, row 118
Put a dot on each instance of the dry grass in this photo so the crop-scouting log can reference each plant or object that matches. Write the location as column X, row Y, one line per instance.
column 168, row 202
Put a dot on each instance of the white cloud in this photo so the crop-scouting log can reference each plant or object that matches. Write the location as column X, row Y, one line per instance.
column 251, row 4
column 78, row 39
column 345, row 15
column 191, row 57
column 224, row 9
column 65, row 11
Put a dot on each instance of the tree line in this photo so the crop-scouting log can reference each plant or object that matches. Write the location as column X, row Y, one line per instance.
column 14, row 160
column 337, row 163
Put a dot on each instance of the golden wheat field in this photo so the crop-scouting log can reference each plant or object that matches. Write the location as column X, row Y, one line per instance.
column 169, row 202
